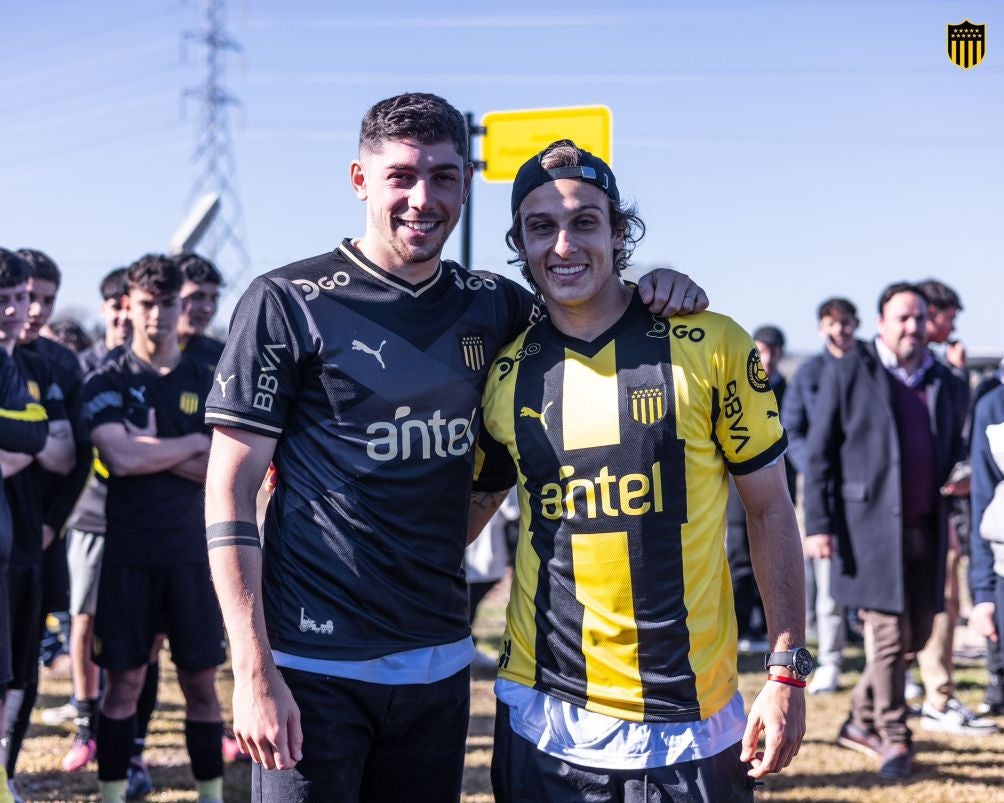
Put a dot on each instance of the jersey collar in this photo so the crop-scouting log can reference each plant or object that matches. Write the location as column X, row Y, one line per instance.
column 355, row 256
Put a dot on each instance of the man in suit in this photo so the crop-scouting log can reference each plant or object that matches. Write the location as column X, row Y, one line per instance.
column 884, row 437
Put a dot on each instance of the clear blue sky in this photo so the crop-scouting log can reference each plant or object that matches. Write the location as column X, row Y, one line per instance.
column 779, row 151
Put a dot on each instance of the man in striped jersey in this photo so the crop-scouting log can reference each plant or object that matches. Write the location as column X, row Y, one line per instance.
column 617, row 672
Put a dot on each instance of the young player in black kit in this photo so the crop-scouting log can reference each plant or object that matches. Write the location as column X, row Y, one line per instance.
column 144, row 406
column 360, row 372
column 25, row 489
column 23, row 431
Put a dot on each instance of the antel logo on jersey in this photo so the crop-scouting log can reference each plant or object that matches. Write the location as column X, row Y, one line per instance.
column 267, row 384
column 605, row 494
column 421, row 438
column 312, row 290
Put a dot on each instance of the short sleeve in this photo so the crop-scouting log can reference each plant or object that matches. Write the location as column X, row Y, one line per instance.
column 746, row 417
column 257, row 375
column 102, row 398
column 494, row 469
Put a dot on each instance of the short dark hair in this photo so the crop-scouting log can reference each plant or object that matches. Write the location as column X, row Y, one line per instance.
column 417, row 115
column 836, row 305
column 155, row 273
column 42, row 265
column 71, row 334
column 195, row 268
column 900, row 287
column 624, row 218
column 13, row 269
column 940, row 295
column 114, row 284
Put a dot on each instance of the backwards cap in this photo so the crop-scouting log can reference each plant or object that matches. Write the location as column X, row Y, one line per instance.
column 591, row 169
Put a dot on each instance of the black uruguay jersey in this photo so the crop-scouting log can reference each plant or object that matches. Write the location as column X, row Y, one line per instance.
column 372, row 387
column 152, row 519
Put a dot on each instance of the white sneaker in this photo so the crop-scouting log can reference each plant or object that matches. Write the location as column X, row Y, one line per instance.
column 956, row 718
column 58, row 715
column 825, row 680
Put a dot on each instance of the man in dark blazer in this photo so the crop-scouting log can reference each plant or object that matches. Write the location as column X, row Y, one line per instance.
column 884, row 437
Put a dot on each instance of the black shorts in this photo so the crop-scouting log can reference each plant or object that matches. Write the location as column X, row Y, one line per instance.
column 523, row 774
column 24, row 584
column 373, row 743
column 135, row 603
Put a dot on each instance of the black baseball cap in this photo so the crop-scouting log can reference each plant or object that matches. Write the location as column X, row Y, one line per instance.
column 591, row 169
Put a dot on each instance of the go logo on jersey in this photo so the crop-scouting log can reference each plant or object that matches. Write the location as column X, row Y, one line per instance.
column 421, row 438
column 473, row 282
column 312, row 290
column 506, row 364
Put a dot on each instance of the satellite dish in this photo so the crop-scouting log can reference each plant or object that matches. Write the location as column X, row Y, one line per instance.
column 187, row 237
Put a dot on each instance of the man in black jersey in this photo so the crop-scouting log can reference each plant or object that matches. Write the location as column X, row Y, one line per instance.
column 23, row 429
column 359, row 373
column 144, row 407
column 25, row 489
column 617, row 671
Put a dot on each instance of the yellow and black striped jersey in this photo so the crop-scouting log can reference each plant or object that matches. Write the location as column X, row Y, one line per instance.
column 619, row 449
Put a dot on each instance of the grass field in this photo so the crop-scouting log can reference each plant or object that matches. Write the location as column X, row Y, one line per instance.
column 949, row 768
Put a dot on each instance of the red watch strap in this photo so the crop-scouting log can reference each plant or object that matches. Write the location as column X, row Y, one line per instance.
column 786, row 680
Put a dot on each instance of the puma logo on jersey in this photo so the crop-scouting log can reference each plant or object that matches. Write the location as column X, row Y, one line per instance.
column 138, row 394
column 358, row 345
column 223, row 383
column 526, row 412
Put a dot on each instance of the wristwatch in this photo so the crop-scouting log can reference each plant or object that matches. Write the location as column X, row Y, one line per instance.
column 798, row 660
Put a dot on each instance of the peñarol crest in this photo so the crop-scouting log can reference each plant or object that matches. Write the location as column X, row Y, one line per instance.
column 967, row 43
column 648, row 405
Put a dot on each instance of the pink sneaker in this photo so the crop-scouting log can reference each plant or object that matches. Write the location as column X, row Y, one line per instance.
column 80, row 754
column 232, row 750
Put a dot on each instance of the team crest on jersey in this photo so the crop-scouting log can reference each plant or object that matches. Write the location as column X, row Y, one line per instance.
column 755, row 373
column 188, row 403
column 473, row 347
column 967, row 43
column 648, row 405
column 34, row 391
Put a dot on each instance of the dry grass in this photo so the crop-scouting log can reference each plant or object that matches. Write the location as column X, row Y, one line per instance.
column 949, row 768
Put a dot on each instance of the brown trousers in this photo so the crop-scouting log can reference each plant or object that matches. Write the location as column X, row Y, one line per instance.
column 878, row 701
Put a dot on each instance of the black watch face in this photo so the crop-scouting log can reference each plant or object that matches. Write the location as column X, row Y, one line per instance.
column 803, row 662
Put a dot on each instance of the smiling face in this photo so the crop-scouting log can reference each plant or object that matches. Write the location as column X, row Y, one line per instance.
column 838, row 329
column 902, row 327
column 414, row 193
column 568, row 245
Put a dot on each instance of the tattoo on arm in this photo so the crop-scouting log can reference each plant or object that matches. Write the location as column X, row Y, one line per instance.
column 488, row 501
column 232, row 533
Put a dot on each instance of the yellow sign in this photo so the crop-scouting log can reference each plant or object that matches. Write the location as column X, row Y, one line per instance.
column 967, row 43
column 513, row 137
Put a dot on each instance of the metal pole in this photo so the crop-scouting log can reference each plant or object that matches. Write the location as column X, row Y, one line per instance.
column 465, row 219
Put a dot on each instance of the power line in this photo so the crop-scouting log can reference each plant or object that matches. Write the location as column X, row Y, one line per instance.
column 214, row 156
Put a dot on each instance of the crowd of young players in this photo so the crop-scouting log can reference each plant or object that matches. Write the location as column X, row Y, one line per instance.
column 103, row 456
